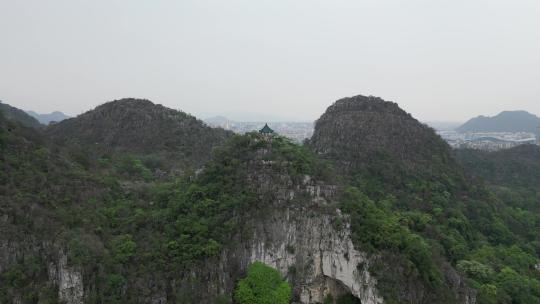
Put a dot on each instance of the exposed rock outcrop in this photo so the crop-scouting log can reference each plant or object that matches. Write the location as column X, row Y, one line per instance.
column 68, row 279
column 308, row 248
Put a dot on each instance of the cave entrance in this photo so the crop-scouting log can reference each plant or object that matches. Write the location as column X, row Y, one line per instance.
column 337, row 293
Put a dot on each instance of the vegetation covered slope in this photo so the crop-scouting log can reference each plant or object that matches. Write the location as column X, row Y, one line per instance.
column 367, row 136
column 139, row 126
column 359, row 129
column 515, row 167
column 411, row 202
column 130, row 235
column 14, row 114
column 37, row 186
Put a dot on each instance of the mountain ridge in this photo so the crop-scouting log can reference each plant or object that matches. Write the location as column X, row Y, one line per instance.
column 506, row 121
column 15, row 114
column 45, row 119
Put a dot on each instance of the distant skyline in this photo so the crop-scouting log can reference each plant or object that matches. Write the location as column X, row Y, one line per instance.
column 262, row 117
column 439, row 60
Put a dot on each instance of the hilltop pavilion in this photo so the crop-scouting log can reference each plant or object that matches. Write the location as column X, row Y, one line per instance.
column 266, row 130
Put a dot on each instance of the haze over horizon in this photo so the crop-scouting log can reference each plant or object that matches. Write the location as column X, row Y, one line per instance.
column 437, row 59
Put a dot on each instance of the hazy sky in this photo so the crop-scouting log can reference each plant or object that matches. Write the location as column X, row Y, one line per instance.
column 440, row 60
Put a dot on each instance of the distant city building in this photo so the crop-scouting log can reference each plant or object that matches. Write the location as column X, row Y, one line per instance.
column 489, row 141
column 297, row 131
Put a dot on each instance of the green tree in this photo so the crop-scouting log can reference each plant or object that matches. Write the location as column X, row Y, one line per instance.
column 123, row 248
column 262, row 285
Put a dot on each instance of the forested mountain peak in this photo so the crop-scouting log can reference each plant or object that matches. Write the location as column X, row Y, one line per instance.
column 359, row 131
column 138, row 125
column 366, row 104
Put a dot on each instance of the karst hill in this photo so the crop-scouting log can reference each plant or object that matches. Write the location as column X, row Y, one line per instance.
column 374, row 209
column 138, row 125
column 368, row 135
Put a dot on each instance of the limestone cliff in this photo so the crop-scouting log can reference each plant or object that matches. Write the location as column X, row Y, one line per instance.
column 295, row 230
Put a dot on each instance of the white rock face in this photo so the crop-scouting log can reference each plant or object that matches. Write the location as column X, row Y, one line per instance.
column 301, row 241
column 325, row 258
column 296, row 235
column 69, row 281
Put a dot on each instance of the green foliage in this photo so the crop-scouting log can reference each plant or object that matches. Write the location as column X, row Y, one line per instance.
column 132, row 166
column 123, row 248
column 519, row 288
column 480, row 230
column 262, row 285
column 113, row 285
column 517, row 167
column 83, row 249
column 23, row 278
column 17, row 115
column 14, row 277
column 475, row 270
column 376, row 227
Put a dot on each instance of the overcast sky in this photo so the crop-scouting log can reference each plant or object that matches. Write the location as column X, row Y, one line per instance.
column 440, row 60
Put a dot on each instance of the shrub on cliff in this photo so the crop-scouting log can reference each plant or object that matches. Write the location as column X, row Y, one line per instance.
column 262, row 285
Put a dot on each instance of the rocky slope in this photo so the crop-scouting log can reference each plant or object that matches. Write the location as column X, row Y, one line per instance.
column 291, row 227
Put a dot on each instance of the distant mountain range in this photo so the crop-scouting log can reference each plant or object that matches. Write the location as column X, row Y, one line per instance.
column 507, row 121
column 14, row 114
column 30, row 118
column 46, row 119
